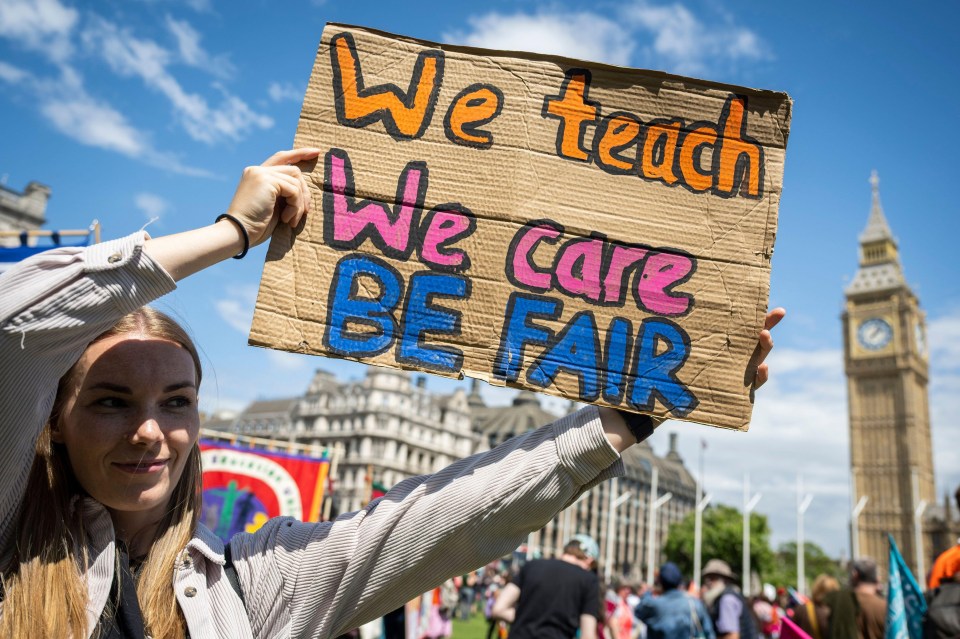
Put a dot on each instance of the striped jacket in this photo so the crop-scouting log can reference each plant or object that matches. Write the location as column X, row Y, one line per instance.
column 298, row 579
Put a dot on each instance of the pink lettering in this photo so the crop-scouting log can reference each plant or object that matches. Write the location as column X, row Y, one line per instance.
column 660, row 272
column 523, row 267
column 444, row 226
column 622, row 258
column 349, row 224
column 578, row 268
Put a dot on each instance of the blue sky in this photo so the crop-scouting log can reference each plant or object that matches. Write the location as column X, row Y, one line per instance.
column 133, row 110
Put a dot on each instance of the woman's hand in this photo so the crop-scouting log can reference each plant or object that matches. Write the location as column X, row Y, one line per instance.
column 764, row 347
column 268, row 194
column 758, row 372
column 272, row 192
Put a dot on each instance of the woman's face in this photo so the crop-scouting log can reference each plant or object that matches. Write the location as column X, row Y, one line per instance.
column 129, row 422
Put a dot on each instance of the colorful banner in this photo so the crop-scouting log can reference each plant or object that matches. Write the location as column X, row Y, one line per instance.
column 244, row 487
column 905, row 603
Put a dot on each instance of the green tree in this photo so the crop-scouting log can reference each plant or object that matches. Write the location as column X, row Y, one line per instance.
column 722, row 539
column 816, row 562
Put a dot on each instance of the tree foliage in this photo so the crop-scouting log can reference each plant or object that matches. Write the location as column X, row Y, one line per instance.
column 722, row 539
column 816, row 562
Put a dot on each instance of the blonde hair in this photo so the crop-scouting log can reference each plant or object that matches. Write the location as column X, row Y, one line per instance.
column 44, row 590
column 822, row 586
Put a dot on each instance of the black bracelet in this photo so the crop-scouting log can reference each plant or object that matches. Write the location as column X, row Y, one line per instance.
column 246, row 238
column 641, row 426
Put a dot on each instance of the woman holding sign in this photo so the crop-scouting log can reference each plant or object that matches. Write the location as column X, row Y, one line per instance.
column 100, row 467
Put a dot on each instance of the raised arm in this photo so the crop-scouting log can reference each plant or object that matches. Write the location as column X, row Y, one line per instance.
column 52, row 305
column 272, row 193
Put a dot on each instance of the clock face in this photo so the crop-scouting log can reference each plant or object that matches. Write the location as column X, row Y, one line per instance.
column 874, row 334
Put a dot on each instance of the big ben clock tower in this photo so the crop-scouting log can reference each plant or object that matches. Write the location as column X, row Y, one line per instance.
column 885, row 356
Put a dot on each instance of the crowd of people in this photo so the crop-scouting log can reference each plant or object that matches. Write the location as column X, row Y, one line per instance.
column 562, row 598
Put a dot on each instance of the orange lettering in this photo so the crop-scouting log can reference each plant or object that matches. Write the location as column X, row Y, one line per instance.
column 657, row 152
column 690, row 152
column 616, row 132
column 574, row 111
column 739, row 154
column 404, row 115
column 476, row 105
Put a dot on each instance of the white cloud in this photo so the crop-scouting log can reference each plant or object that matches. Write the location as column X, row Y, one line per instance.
column 193, row 54
column 237, row 308
column 65, row 103
column 152, row 205
column 12, row 74
column 640, row 33
column 133, row 57
column 39, row 25
column 688, row 44
column 93, row 123
column 288, row 361
column 281, row 92
column 578, row 35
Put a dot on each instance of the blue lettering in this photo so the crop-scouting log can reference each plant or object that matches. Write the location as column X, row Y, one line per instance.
column 655, row 374
column 618, row 345
column 518, row 331
column 575, row 351
column 346, row 307
column 422, row 316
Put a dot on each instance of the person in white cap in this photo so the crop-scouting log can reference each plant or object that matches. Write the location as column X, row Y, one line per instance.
column 554, row 598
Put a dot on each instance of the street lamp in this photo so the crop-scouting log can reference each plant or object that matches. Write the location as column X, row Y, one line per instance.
column 803, row 502
column 855, row 526
column 921, row 505
column 749, row 503
column 611, row 526
column 698, row 536
column 655, row 504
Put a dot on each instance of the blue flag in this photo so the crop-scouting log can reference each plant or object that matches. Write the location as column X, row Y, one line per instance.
column 905, row 603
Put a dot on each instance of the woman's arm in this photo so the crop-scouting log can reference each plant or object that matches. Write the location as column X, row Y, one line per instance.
column 256, row 205
column 52, row 305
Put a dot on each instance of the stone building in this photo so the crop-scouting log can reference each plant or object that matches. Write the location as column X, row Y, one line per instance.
column 591, row 513
column 390, row 428
column 388, row 425
column 885, row 354
column 22, row 211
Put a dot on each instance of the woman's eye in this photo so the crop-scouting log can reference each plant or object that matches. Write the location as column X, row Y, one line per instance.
column 179, row 402
column 111, row 402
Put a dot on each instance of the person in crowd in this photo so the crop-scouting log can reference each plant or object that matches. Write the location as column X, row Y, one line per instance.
column 858, row 611
column 554, row 598
column 813, row 617
column 673, row 614
column 100, row 465
column 731, row 615
column 618, row 612
column 947, row 564
column 766, row 612
column 468, row 590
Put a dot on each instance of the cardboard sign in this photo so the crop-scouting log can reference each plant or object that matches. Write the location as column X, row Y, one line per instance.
column 593, row 232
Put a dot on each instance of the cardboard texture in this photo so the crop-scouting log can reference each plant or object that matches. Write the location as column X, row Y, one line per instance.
column 593, row 232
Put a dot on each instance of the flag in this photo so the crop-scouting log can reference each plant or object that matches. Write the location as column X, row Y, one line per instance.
column 10, row 255
column 905, row 603
column 790, row 630
column 244, row 487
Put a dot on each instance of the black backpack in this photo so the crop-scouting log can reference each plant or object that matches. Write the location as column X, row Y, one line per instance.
column 942, row 620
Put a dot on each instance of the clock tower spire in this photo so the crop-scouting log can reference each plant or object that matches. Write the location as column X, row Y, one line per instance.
column 885, row 359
